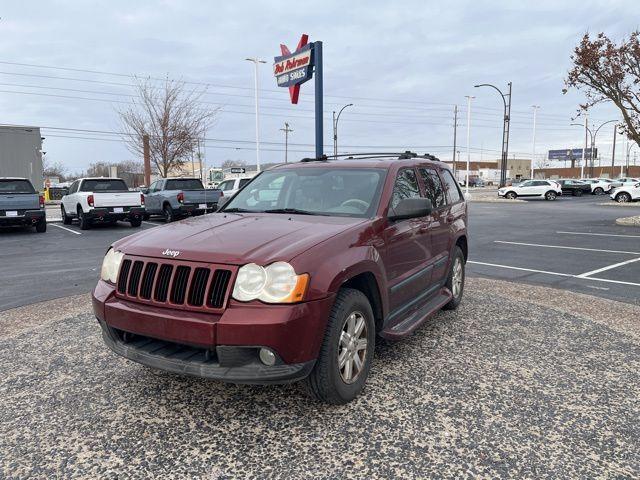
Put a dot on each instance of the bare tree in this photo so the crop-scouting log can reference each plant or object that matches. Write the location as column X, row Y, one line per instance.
column 607, row 72
column 174, row 119
column 233, row 163
column 53, row 169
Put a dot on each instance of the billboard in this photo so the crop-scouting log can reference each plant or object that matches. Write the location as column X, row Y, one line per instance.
column 571, row 153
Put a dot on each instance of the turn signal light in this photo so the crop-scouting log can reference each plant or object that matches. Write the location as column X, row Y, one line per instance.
column 90, row 200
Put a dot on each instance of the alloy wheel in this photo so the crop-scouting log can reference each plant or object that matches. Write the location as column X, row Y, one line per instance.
column 457, row 278
column 623, row 198
column 352, row 349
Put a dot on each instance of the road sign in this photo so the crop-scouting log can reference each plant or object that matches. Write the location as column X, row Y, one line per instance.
column 238, row 170
column 571, row 153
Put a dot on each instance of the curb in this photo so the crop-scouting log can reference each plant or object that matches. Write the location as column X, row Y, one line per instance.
column 495, row 200
column 629, row 221
column 622, row 205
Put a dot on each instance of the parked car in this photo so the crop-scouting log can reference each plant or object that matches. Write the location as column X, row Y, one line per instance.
column 547, row 189
column 598, row 186
column 176, row 198
column 627, row 181
column 574, row 187
column 231, row 186
column 20, row 204
column 293, row 278
column 101, row 200
column 627, row 193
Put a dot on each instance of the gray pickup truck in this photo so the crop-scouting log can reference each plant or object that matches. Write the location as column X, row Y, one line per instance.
column 175, row 198
column 20, row 204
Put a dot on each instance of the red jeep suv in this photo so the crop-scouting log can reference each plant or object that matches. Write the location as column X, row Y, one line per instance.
column 293, row 278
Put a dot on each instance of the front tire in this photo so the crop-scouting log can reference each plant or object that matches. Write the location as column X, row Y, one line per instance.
column 169, row 216
column 550, row 196
column 623, row 197
column 455, row 279
column 598, row 191
column 511, row 195
column 344, row 361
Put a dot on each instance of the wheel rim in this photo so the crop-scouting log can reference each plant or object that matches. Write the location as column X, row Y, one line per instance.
column 623, row 198
column 457, row 278
column 551, row 196
column 352, row 348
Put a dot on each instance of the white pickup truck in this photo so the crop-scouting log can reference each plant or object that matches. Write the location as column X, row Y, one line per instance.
column 102, row 200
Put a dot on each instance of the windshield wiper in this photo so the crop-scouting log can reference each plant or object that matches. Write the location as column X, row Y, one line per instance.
column 238, row 210
column 292, row 211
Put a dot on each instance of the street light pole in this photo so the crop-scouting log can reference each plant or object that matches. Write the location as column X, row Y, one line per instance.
column 505, row 128
column 256, row 61
column 466, row 182
column 335, row 127
column 286, row 131
column 533, row 146
column 455, row 136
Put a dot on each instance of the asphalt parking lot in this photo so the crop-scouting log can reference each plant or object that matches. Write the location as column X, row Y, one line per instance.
column 572, row 244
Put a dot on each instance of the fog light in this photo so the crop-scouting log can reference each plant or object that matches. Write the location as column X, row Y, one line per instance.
column 267, row 357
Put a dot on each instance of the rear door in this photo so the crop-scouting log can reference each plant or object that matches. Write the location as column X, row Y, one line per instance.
column 407, row 257
column 434, row 190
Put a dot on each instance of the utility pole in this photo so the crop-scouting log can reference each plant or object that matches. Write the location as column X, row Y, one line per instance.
column 533, row 147
column 286, row 131
column 466, row 182
column 147, row 160
column 256, row 61
column 455, row 136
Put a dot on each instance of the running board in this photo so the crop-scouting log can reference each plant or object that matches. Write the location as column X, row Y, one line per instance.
column 417, row 318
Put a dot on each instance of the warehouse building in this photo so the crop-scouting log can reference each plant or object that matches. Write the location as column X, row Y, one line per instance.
column 21, row 153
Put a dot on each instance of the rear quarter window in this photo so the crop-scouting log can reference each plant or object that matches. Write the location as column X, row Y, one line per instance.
column 454, row 195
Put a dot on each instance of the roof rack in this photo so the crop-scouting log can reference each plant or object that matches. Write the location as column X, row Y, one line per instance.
column 352, row 156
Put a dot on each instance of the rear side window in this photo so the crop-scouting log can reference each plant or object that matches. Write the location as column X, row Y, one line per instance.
column 184, row 184
column 244, row 181
column 104, row 185
column 16, row 186
column 226, row 186
column 433, row 186
column 454, row 194
column 406, row 186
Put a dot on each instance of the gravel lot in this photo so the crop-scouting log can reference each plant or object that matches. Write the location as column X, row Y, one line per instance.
column 504, row 387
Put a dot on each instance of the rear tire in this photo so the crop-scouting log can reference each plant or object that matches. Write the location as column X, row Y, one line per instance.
column 598, row 191
column 455, row 279
column 41, row 226
column 623, row 197
column 550, row 196
column 326, row 382
column 83, row 221
column 66, row 219
column 511, row 195
column 168, row 214
column 136, row 222
column 577, row 193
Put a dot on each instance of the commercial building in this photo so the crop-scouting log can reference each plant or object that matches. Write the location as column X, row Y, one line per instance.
column 21, row 153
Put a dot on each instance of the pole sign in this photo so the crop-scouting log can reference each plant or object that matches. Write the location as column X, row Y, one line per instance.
column 293, row 69
column 238, row 170
column 569, row 153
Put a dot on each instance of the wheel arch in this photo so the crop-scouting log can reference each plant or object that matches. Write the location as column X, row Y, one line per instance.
column 366, row 283
column 463, row 243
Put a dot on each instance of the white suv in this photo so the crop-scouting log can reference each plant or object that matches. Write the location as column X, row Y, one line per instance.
column 598, row 185
column 626, row 193
column 547, row 189
column 231, row 186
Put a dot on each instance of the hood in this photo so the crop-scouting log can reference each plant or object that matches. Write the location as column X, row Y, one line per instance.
column 237, row 238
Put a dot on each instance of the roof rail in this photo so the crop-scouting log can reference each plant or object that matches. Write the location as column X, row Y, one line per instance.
column 352, row 156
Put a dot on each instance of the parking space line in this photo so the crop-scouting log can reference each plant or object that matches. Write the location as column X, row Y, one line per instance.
column 545, row 272
column 610, row 267
column 565, row 247
column 599, row 234
column 520, row 268
column 65, row 228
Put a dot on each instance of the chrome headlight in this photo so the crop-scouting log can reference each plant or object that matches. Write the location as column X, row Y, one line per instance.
column 111, row 265
column 276, row 283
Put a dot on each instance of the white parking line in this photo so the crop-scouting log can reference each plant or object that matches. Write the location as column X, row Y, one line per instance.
column 65, row 228
column 604, row 269
column 509, row 267
column 599, row 234
column 567, row 248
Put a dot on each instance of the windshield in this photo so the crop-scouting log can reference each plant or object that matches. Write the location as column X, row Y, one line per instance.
column 104, row 185
column 16, row 186
column 184, row 184
column 315, row 191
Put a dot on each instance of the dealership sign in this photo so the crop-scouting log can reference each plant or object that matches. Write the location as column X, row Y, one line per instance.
column 571, row 153
column 293, row 69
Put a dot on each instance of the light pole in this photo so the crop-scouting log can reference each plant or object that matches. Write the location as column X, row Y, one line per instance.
column 505, row 129
column 256, row 61
column 335, row 127
column 466, row 182
column 593, row 135
column 286, row 131
column 533, row 146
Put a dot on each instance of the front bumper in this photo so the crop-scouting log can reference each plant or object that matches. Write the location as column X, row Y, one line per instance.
column 24, row 217
column 107, row 214
column 223, row 345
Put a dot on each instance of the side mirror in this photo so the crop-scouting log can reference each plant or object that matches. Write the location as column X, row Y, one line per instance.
column 222, row 201
column 410, row 208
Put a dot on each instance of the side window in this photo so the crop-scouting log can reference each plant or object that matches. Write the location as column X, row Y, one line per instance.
column 225, row 186
column 454, row 194
column 244, row 181
column 152, row 187
column 433, row 186
column 406, row 186
column 74, row 187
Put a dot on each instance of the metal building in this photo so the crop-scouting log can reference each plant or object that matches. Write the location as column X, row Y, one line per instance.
column 21, row 153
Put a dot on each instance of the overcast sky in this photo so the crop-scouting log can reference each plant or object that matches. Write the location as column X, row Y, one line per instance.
column 403, row 64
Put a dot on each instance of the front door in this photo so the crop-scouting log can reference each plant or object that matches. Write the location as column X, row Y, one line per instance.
column 408, row 250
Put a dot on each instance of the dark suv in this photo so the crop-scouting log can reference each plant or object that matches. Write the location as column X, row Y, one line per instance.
column 294, row 277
